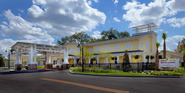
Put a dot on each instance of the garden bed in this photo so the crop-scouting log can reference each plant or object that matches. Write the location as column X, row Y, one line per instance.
column 100, row 71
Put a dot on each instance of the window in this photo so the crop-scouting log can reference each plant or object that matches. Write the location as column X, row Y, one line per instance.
column 39, row 63
column 43, row 62
column 128, row 45
column 91, row 49
column 116, row 46
column 106, row 47
column 134, row 45
column 147, row 45
column 78, row 50
column 54, row 62
column 72, row 50
column 154, row 42
column 141, row 44
column 97, row 48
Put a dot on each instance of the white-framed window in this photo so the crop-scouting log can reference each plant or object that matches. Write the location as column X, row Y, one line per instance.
column 78, row 50
column 97, row 48
column 91, row 49
column 72, row 50
column 141, row 44
column 116, row 46
column 106, row 47
column 147, row 45
column 54, row 62
column 128, row 45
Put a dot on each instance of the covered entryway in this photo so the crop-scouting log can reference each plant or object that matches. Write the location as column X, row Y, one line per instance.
column 32, row 49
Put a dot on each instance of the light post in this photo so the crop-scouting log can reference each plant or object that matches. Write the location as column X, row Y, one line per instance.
column 8, row 58
column 82, row 56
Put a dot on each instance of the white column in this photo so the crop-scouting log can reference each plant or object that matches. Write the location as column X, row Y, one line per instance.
column 17, row 52
column 144, row 58
column 149, row 58
column 35, row 55
column 98, row 60
column 31, row 55
column 66, row 56
column 89, row 60
column 107, row 60
column 49, row 59
column 130, row 58
column 117, row 59
column 74, row 61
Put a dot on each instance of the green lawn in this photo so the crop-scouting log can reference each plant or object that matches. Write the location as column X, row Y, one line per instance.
column 120, row 73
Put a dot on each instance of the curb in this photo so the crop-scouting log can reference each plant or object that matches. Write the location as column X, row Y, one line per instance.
column 127, row 75
column 19, row 72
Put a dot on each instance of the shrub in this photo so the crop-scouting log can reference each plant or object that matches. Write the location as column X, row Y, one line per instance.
column 26, row 67
column 181, row 70
column 19, row 67
column 40, row 66
column 157, row 73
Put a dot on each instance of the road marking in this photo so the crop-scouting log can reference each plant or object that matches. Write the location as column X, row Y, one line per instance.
column 87, row 86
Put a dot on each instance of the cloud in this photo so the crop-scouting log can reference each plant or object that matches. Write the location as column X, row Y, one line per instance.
column 158, row 30
column 96, row 34
column 89, row 2
column 22, row 30
column 115, row 1
column 62, row 17
column 171, row 42
column 177, row 5
column 156, row 12
column 116, row 19
column 19, row 28
column 96, row 1
column 176, row 22
column 49, row 19
column 5, row 45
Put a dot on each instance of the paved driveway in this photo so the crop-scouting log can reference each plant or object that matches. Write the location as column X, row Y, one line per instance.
column 64, row 82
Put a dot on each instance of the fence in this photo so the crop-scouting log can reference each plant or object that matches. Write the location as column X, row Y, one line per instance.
column 125, row 67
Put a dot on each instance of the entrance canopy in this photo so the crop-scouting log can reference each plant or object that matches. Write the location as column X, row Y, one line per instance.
column 32, row 49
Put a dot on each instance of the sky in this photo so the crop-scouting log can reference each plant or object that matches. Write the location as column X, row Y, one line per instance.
column 46, row 21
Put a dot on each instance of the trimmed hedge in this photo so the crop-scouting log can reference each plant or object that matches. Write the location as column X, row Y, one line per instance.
column 165, row 73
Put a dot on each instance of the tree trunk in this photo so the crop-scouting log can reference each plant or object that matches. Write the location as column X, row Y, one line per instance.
column 157, row 60
column 184, row 60
column 164, row 50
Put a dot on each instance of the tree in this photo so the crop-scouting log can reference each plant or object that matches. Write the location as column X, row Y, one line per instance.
column 2, row 64
column 123, row 34
column 180, row 46
column 107, row 55
column 157, row 57
column 126, row 62
column 77, row 37
column 87, row 55
column 184, row 56
column 164, row 45
column 110, row 34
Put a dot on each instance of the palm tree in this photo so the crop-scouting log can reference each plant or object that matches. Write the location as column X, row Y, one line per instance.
column 157, row 57
column 164, row 46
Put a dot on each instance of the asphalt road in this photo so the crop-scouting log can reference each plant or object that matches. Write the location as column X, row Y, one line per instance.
column 64, row 82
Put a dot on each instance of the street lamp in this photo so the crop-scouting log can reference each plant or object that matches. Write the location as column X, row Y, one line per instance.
column 82, row 55
column 8, row 58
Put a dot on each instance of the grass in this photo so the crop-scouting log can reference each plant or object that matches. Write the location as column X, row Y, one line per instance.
column 101, row 71
column 40, row 66
column 119, row 73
